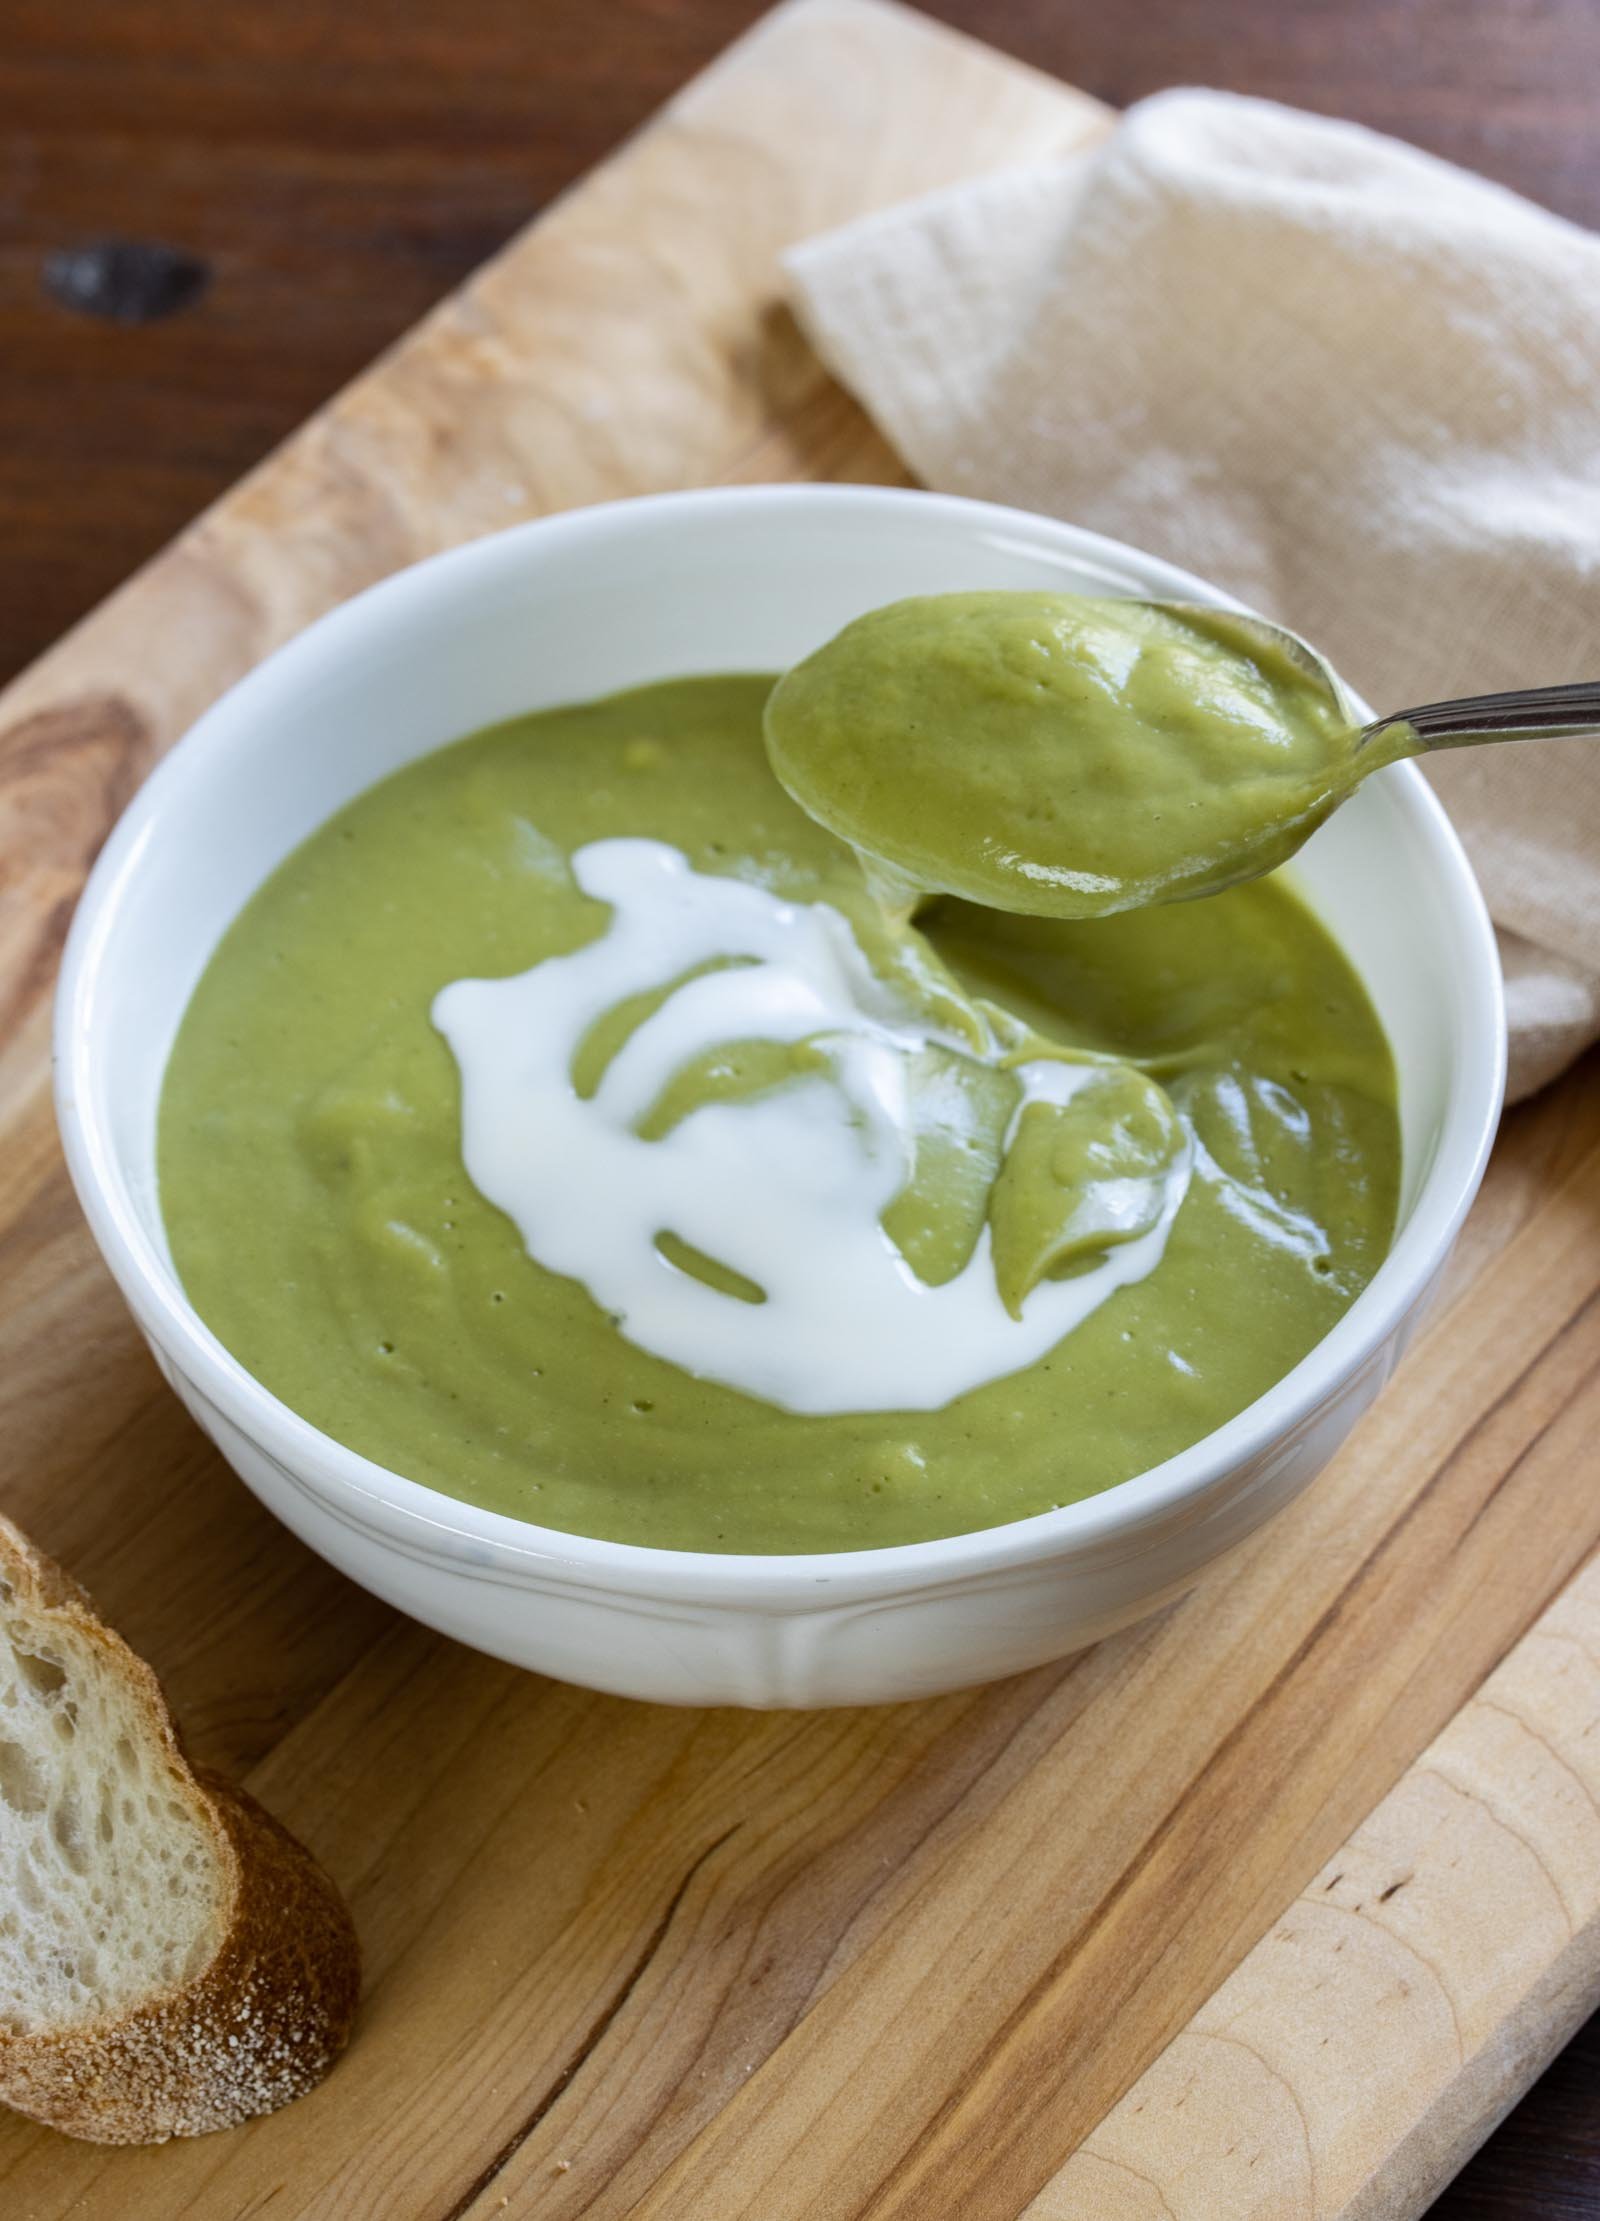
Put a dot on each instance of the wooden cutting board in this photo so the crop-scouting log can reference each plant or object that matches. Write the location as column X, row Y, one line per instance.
column 1260, row 1912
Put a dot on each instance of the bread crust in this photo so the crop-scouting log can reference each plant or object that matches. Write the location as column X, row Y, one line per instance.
column 272, row 2009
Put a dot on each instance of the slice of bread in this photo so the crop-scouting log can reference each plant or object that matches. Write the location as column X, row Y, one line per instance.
column 171, row 1959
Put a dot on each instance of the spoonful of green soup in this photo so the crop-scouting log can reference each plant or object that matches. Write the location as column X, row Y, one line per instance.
column 1070, row 756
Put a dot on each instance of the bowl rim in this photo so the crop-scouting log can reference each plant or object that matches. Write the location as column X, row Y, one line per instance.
column 495, row 1544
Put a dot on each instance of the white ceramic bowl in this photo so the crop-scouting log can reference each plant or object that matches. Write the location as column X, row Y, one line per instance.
column 579, row 605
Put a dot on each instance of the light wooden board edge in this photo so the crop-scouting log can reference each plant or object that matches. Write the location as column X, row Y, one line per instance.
column 1382, row 2137
column 1362, row 2050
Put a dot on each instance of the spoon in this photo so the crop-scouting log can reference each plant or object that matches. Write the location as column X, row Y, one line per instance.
column 1569, row 712
column 1070, row 756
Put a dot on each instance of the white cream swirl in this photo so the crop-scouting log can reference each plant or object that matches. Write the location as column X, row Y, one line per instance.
column 785, row 1189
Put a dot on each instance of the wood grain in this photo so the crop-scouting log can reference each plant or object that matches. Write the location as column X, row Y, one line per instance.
column 340, row 168
column 961, row 1958
column 1268, row 2105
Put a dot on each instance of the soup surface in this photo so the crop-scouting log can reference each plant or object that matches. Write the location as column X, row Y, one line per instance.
column 1119, row 1174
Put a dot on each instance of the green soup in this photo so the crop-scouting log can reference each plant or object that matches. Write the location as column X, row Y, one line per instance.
column 1063, row 755
column 323, row 1223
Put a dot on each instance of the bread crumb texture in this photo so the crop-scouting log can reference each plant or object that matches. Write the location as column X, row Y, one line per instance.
column 171, row 1959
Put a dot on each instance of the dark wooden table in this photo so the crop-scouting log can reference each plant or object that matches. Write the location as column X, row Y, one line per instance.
column 337, row 169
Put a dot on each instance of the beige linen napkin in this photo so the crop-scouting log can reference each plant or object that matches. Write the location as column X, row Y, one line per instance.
column 1352, row 384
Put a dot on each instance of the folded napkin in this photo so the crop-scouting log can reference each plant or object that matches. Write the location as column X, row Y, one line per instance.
column 1348, row 382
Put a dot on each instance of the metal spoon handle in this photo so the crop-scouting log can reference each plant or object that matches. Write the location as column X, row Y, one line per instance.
column 1553, row 712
